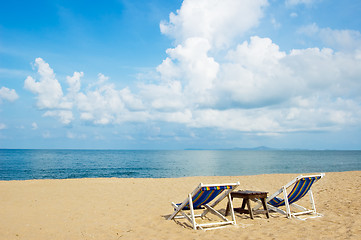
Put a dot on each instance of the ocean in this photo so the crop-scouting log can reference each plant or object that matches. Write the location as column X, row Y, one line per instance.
column 64, row 164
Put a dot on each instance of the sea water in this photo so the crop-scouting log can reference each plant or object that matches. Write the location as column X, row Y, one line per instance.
column 63, row 164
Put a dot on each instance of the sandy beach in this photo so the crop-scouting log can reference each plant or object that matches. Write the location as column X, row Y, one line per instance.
column 132, row 208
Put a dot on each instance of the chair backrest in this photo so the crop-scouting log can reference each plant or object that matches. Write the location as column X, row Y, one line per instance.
column 206, row 194
column 300, row 189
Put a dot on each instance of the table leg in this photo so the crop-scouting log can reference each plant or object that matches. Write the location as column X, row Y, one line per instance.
column 249, row 208
column 265, row 206
column 243, row 203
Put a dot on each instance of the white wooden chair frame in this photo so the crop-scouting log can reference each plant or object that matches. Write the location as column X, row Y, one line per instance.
column 300, row 209
column 209, row 208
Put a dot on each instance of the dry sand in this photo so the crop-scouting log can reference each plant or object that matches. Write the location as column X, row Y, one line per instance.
column 137, row 209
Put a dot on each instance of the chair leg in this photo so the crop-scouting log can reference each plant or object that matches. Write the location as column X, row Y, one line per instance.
column 219, row 199
column 312, row 201
column 288, row 209
column 230, row 204
column 192, row 212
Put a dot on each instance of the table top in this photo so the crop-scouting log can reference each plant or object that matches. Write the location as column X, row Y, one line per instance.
column 247, row 193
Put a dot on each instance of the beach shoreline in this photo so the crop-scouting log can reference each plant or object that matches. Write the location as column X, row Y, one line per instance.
column 137, row 208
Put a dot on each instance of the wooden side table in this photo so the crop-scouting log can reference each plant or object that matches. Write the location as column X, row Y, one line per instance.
column 246, row 196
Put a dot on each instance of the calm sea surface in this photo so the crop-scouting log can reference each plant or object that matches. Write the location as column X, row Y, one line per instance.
column 61, row 164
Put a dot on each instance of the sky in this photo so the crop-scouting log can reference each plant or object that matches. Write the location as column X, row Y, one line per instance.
column 172, row 74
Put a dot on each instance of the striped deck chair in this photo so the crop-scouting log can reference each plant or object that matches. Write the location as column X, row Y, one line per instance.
column 206, row 197
column 301, row 186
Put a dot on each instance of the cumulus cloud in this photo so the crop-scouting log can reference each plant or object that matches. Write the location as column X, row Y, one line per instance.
column 211, row 79
column 100, row 103
column 105, row 105
column 262, row 89
column 258, row 88
column 189, row 69
column 48, row 89
column 8, row 94
column 74, row 83
column 254, row 75
column 218, row 21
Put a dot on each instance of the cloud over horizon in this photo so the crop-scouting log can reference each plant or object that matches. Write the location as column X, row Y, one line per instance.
column 217, row 77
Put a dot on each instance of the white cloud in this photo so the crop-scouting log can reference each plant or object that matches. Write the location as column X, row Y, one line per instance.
column 8, row 94
column 2, row 126
column 163, row 97
column 217, row 21
column 131, row 101
column 254, row 75
column 107, row 105
column 48, row 89
column 49, row 92
column 183, row 116
column 64, row 116
column 325, row 71
column 102, row 105
column 309, row 30
column 321, row 115
column 260, row 88
column 189, row 69
column 209, row 81
column 74, row 83
column 344, row 40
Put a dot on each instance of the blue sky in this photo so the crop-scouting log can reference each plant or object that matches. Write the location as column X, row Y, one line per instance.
column 169, row 74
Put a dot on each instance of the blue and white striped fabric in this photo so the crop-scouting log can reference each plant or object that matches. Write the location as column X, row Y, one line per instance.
column 205, row 195
column 300, row 189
